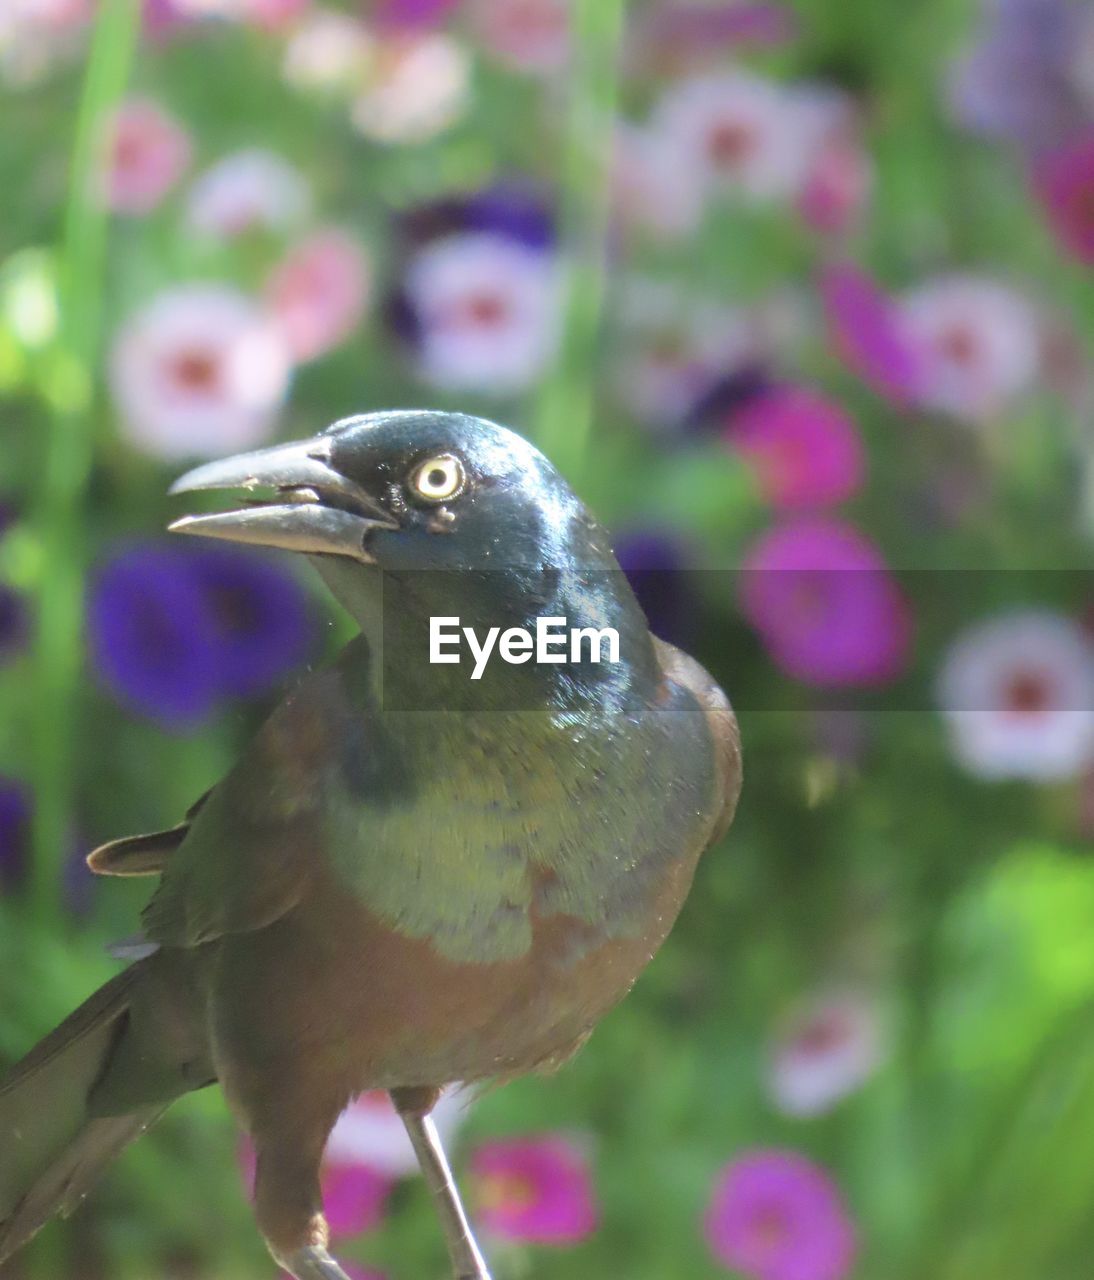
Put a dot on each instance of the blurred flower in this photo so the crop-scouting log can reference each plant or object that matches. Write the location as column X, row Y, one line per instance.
column 775, row 1215
column 14, row 624
column 36, row 35
column 656, row 565
column 868, row 334
column 802, row 446
column 828, row 610
column 249, row 190
column 675, row 37
column 654, row 189
column 514, row 209
column 534, row 1190
column 675, row 346
column 1064, row 182
column 274, row 15
column 527, row 35
column 1017, row 692
column 487, row 310
column 413, row 13
column 418, row 85
column 370, row 1132
column 978, row 344
column 319, row 292
column 172, row 630
column 743, row 133
column 15, row 817
column 354, row 1195
column 147, row 152
column 200, row 371
column 824, row 1051
column 328, row 51
column 1016, row 82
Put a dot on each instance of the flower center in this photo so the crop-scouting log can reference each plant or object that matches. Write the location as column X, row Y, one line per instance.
column 729, row 143
column 506, row 1191
column 959, row 345
column 823, row 1033
column 485, row 310
column 1027, row 694
column 196, row 371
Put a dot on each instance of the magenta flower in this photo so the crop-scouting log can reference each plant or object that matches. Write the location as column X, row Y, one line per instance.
column 802, row 446
column 535, row 1190
column 825, row 605
column 354, row 1195
column 1064, row 182
column 867, row 334
column 147, row 151
column 775, row 1215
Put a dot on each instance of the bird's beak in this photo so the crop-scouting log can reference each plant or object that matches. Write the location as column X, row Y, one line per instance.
column 312, row 507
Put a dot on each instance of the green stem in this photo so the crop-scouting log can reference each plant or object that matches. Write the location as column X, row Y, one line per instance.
column 68, row 458
column 566, row 404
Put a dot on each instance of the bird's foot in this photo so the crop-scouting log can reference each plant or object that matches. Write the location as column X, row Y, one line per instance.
column 315, row 1263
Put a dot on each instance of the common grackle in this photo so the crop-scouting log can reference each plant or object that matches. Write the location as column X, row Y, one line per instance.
column 411, row 878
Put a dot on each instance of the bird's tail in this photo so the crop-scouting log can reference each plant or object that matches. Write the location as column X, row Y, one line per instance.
column 56, row 1137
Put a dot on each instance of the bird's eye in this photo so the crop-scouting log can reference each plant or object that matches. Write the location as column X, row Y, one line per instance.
column 439, row 478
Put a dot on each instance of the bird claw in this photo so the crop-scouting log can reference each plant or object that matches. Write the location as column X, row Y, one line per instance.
column 315, row 1263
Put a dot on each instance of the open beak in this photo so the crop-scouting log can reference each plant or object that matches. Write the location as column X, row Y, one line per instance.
column 312, row 507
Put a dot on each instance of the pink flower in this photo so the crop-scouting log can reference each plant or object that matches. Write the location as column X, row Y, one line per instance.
column 979, row 344
column 198, row 371
column 273, row 15
column 745, row 134
column 249, row 190
column 775, row 1215
column 836, row 186
column 803, row 447
column 413, row 13
column 868, row 335
column 147, row 152
column 528, row 35
column 825, row 1050
column 487, row 307
column 354, row 1195
column 370, row 1132
column 535, row 1190
column 655, row 190
column 825, row 605
column 1017, row 692
column 678, row 36
column 319, row 292
column 1064, row 182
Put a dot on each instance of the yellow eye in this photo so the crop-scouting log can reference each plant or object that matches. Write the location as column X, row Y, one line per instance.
column 437, row 479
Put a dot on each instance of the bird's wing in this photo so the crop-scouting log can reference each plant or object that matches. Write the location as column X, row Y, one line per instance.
column 249, row 853
column 144, row 855
column 724, row 731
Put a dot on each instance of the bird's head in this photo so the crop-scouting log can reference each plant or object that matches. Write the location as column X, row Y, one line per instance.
column 409, row 496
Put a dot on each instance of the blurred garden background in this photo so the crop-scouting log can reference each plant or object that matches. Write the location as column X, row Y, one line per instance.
column 799, row 297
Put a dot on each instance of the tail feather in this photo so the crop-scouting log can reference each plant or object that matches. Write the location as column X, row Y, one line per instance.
column 53, row 1145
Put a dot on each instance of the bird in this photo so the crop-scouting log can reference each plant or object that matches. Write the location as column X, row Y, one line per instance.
column 410, row 878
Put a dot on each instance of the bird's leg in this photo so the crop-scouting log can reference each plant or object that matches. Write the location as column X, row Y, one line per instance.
column 414, row 1106
column 289, row 1204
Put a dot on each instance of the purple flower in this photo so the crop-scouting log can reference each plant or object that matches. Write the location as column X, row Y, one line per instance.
column 655, row 562
column 867, row 335
column 401, row 14
column 15, row 810
column 825, row 605
column 775, row 1215
column 1064, row 183
column 803, row 447
column 514, row 209
column 174, row 630
column 535, row 1190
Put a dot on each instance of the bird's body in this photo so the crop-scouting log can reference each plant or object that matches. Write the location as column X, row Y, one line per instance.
column 406, row 881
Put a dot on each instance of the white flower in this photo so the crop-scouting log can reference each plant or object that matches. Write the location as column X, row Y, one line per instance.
column 527, row 35
column 370, row 1132
column 328, row 51
column 978, row 340
column 418, row 85
column 747, row 135
column 488, row 308
column 825, row 1050
column 1018, row 694
column 199, row 371
column 249, row 189
column 674, row 346
column 655, row 188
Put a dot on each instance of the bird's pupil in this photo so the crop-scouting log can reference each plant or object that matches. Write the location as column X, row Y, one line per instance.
column 436, row 477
